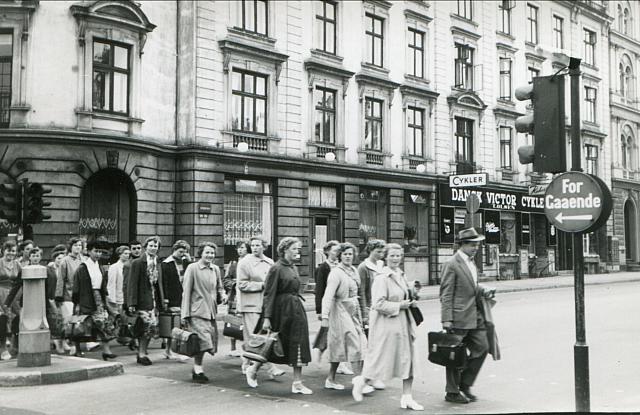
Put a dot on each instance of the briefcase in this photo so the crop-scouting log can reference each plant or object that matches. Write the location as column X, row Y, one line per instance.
column 446, row 349
column 167, row 320
column 184, row 342
column 233, row 326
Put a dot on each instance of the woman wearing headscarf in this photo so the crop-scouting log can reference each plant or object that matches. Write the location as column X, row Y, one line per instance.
column 202, row 286
column 283, row 312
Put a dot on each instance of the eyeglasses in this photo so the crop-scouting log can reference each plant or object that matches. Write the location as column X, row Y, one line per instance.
column 134, row 248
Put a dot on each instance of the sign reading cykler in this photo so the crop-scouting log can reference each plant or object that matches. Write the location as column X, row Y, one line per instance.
column 577, row 202
column 468, row 180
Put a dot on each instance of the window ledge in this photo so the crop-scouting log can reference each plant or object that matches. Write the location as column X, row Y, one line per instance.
column 109, row 116
column 463, row 19
column 507, row 102
column 326, row 55
column 417, row 79
column 374, row 68
column 590, row 66
column 530, row 44
column 505, row 35
column 252, row 35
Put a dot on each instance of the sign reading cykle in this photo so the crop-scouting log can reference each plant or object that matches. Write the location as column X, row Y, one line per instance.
column 577, row 202
column 469, row 180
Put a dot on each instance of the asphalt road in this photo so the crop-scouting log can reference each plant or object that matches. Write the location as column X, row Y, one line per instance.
column 536, row 331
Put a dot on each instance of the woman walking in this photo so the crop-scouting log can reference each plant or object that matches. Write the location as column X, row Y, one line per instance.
column 54, row 315
column 9, row 272
column 229, row 282
column 283, row 312
column 341, row 314
column 201, row 286
column 392, row 331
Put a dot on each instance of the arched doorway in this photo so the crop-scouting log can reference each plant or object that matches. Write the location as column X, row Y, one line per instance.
column 630, row 232
column 108, row 206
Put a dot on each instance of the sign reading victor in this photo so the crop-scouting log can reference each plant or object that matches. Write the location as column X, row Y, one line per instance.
column 577, row 202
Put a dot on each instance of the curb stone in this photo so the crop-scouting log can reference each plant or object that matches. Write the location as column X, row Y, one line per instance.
column 64, row 375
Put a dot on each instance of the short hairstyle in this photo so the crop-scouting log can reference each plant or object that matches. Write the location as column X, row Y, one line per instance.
column 285, row 243
column 344, row 246
column 180, row 244
column 259, row 238
column 8, row 244
column 73, row 240
column 388, row 247
column 135, row 242
column 93, row 243
column 374, row 244
column 120, row 250
column 57, row 250
column 205, row 244
column 154, row 238
column 327, row 247
column 35, row 250
column 241, row 243
column 24, row 244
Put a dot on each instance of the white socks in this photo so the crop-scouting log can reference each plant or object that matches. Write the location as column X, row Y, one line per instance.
column 197, row 369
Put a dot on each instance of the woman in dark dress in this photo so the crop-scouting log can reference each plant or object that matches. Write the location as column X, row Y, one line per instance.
column 283, row 312
column 229, row 282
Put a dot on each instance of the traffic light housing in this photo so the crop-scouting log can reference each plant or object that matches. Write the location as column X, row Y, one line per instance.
column 547, row 124
column 33, row 206
column 11, row 202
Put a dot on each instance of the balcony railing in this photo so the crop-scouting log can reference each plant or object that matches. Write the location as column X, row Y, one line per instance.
column 375, row 158
column 254, row 143
column 323, row 148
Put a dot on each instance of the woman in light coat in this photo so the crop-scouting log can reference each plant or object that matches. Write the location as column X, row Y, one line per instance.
column 202, row 285
column 392, row 330
column 341, row 314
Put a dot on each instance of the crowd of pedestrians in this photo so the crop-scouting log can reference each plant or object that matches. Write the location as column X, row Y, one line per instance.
column 365, row 312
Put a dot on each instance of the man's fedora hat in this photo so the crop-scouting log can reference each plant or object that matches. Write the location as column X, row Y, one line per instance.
column 469, row 235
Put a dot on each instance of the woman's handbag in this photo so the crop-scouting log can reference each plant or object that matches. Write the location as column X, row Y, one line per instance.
column 320, row 342
column 417, row 314
column 446, row 349
column 130, row 326
column 184, row 342
column 79, row 328
column 259, row 347
column 233, row 326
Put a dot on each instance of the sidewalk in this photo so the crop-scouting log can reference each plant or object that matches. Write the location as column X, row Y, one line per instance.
column 431, row 292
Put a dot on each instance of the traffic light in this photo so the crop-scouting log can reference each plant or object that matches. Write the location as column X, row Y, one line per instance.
column 10, row 202
column 548, row 153
column 33, row 204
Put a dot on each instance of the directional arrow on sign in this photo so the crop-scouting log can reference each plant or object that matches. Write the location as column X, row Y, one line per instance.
column 560, row 217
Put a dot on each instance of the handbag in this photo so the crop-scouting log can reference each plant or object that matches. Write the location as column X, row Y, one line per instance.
column 184, row 342
column 446, row 349
column 233, row 326
column 130, row 326
column 167, row 320
column 260, row 347
column 417, row 315
column 79, row 328
column 320, row 342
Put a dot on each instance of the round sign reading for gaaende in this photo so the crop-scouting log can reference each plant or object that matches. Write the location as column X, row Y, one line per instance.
column 574, row 201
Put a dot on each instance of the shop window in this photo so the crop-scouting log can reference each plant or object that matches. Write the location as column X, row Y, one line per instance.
column 247, row 212
column 458, row 220
column 373, row 209
column 323, row 196
column 416, row 223
column 6, row 61
column 508, row 243
column 111, row 76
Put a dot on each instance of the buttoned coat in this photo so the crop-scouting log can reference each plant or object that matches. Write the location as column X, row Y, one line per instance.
column 201, row 286
column 458, row 294
column 140, row 293
column 250, row 283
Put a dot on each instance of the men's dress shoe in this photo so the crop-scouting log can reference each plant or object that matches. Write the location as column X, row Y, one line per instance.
column 328, row 384
column 144, row 361
column 107, row 356
column 199, row 377
column 466, row 391
column 298, row 387
column 455, row 398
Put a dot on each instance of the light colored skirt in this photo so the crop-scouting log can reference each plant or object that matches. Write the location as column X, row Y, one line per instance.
column 207, row 332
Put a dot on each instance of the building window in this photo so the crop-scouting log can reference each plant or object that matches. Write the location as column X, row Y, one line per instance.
column 247, row 212
column 323, row 196
column 6, row 61
column 249, row 102
column 373, row 124
column 415, row 131
column 558, row 34
column 416, row 223
column 375, row 39
column 326, row 26
column 506, row 148
column 464, row 140
column 110, row 76
column 532, row 24
column 465, row 9
column 325, row 124
column 533, row 73
column 373, row 208
column 589, row 47
column 626, row 152
column 505, row 79
column 590, row 104
column 464, row 67
column 505, row 14
column 625, row 22
column 255, row 16
column 591, row 153
column 416, row 53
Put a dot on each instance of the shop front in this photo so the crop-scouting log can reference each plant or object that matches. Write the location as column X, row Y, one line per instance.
column 520, row 242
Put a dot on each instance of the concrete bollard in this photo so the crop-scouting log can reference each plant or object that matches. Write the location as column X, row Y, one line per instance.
column 35, row 339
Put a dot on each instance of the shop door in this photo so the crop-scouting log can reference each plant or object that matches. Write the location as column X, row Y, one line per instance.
column 324, row 228
column 565, row 251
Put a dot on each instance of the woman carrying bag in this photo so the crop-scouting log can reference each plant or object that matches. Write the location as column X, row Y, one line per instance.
column 202, row 286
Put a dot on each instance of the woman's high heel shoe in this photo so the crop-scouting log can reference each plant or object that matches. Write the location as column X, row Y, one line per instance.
column 407, row 402
column 107, row 356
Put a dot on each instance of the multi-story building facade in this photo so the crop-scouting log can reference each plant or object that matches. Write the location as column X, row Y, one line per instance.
column 321, row 119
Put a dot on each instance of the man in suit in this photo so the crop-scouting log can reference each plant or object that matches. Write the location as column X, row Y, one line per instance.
column 145, row 294
column 461, row 314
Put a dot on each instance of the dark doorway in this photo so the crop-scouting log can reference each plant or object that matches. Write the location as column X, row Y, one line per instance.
column 565, row 251
column 324, row 228
column 630, row 232
column 108, row 207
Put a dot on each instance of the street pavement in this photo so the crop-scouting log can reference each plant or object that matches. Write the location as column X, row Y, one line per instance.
column 536, row 330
